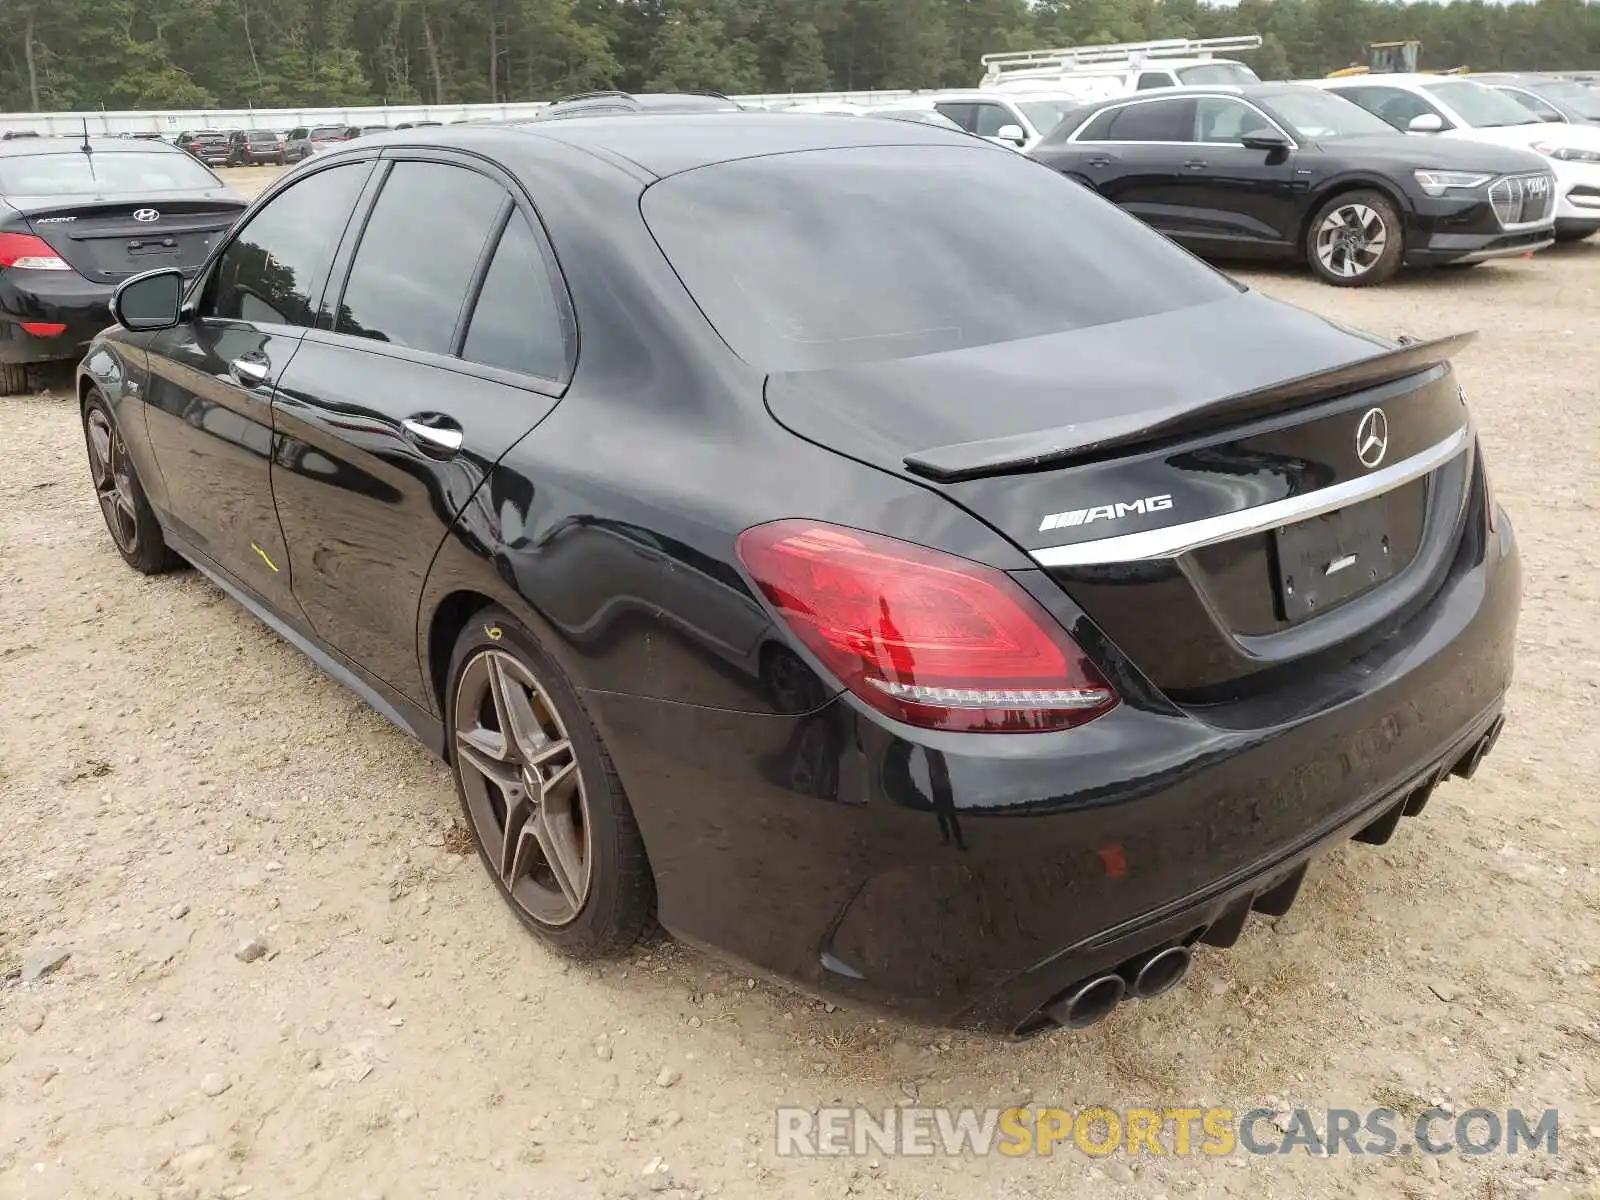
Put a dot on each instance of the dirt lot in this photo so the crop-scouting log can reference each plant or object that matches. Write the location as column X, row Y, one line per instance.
column 175, row 781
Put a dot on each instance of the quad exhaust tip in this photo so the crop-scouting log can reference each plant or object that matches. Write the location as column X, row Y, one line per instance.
column 1088, row 1003
column 1164, row 971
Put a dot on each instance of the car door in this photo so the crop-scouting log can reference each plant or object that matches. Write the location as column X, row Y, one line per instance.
column 1133, row 155
column 1232, row 197
column 446, row 342
column 208, row 407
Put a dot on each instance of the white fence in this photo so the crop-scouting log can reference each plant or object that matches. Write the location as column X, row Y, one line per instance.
column 71, row 124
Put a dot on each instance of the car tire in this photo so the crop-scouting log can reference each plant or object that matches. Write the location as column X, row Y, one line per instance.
column 14, row 380
column 1356, row 239
column 129, row 518
column 546, row 796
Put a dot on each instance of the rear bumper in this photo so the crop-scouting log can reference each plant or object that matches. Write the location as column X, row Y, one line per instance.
column 64, row 298
column 965, row 879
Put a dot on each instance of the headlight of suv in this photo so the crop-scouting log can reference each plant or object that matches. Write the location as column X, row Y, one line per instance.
column 1567, row 153
column 1437, row 183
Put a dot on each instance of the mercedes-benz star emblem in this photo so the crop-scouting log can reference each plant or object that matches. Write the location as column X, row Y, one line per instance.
column 1372, row 438
column 146, row 215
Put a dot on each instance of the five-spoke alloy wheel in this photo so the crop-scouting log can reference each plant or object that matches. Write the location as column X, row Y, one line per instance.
column 132, row 523
column 543, row 800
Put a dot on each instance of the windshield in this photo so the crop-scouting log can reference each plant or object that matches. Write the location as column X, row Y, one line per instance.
column 1481, row 107
column 1321, row 117
column 72, row 173
column 1046, row 114
column 1585, row 101
column 828, row 258
column 1218, row 72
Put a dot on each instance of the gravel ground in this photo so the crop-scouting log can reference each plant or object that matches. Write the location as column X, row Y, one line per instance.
column 183, row 792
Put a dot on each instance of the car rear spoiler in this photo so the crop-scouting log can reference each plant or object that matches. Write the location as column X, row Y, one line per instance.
column 1066, row 444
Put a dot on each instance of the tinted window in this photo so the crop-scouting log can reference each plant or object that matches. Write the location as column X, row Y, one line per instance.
column 517, row 323
column 71, row 172
column 1099, row 129
column 268, row 271
column 826, row 258
column 962, row 114
column 1218, row 119
column 1154, row 79
column 1154, row 121
column 991, row 117
column 1394, row 105
column 1545, row 112
column 417, row 255
column 297, row 133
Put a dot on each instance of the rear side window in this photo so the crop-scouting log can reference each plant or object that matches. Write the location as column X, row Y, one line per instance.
column 269, row 272
column 1154, row 79
column 517, row 322
column 1154, row 121
column 417, row 255
column 768, row 246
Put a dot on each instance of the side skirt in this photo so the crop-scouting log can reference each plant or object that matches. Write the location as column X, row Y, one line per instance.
column 418, row 722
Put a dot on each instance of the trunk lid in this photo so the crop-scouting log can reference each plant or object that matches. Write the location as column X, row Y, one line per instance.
column 104, row 241
column 1137, row 463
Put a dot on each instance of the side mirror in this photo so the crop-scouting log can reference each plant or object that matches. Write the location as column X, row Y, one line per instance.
column 1265, row 141
column 1011, row 133
column 1425, row 123
column 149, row 301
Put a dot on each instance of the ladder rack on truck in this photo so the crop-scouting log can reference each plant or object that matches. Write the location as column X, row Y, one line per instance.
column 1042, row 64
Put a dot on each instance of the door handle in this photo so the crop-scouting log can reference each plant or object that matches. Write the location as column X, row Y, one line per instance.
column 1101, row 161
column 250, row 371
column 433, row 434
column 1196, row 164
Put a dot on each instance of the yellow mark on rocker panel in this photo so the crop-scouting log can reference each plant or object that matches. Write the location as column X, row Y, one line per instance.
column 264, row 556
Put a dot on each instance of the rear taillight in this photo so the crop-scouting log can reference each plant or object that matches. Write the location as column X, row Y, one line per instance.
column 922, row 636
column 29, row 252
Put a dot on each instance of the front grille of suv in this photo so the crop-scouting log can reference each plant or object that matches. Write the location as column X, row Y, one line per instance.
column 1522, row 199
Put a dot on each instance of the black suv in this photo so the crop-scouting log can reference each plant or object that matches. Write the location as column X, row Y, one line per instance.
column 210, row 146
column 248, row 147
column 1274, row 170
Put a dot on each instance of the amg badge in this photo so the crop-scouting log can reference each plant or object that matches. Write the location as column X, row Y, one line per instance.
column 1104, row 512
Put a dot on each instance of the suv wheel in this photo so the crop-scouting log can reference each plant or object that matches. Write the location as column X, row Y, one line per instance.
column 544, row 803
column 1356, row 240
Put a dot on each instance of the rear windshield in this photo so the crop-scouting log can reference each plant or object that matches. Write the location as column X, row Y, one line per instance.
column 327, row 131
column 75, row 173
column 827, row 258
column 261, row 135
column 1211, row 74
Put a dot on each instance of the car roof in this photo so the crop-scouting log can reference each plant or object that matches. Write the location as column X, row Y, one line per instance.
column 1386, row 78
column 100, row 145
column 667, row 143
column 969, row 95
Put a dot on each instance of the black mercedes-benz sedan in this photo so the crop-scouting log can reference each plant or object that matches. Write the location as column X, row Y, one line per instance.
column 76, row 219
column 1281, row 170
column 773, row 541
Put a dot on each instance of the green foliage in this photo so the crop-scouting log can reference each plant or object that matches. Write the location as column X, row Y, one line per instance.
column 291, row 53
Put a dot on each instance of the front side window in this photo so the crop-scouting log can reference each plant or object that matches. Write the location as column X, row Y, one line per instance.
column 271, row 271
column 964, row 115
column 768, row 246
column 418, row 254
column 517, row 323
column 1395, row 105
column 1220, row 119
column 992, row 118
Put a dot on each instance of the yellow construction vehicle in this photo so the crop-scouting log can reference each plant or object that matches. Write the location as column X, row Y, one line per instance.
column 1392, row 57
